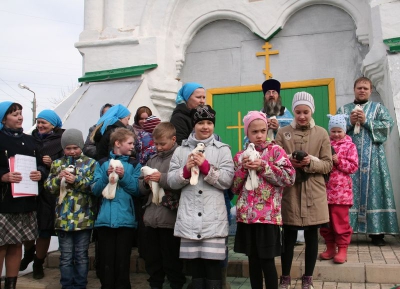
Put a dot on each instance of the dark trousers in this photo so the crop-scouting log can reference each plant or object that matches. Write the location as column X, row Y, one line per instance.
column 339, row 230
column 115, row 246
column 162, row 258
column 206, row 268
column 311, row 251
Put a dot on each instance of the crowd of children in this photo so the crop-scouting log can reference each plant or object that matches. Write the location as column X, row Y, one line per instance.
column 280, row 186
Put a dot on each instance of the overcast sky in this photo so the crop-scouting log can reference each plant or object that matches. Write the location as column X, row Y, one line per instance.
column 37, row 49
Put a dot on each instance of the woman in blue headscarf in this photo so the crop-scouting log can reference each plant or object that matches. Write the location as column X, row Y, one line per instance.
column 116, row 116
column 190, row 96
column 18, row 222
column 47, row 136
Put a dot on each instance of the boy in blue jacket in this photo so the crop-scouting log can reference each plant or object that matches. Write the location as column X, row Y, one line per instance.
column 116, row 219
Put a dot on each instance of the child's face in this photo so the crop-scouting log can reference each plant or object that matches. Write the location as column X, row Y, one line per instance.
column 302, row 114
column 125, row 147
column 72, row 151
column 337, row 133
column 164, row 144
column 257, row 131
column 204, row 129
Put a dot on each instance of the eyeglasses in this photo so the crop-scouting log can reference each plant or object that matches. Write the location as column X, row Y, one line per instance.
column 271, row 92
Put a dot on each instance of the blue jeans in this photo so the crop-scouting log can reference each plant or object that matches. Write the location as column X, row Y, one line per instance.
column 74, row 258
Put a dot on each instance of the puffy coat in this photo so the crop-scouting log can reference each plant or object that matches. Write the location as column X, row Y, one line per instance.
column 159, row 216
column 202, row 211
column 305, row 204
column 263, row 205
column 117, row 212
column 340, row 186
column 78, row 209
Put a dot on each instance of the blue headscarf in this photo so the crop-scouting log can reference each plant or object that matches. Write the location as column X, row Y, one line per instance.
column 112, row 115
column 4, row 106
column 186, row 91
column 51, row 117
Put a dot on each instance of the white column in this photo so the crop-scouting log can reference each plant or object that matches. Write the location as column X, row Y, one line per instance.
column 93, row 15
column 113, row 13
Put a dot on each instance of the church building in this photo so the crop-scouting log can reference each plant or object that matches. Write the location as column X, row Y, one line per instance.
column 140, row 52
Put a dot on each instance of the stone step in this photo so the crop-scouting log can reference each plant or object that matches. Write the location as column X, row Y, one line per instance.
column 326, row 270
column 139, row 281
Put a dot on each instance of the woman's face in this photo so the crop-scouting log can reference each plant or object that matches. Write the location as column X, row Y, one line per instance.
column 14, row 120
column 197, row 98
column 302, row 114
column 125, row 120
column 43, row 126
column 142, row 118
column 203, row 129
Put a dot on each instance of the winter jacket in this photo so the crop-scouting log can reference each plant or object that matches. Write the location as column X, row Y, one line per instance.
column 89, row 149
column 144, row 146
column 340, row 187
column 117, row 212
column 10, row 146
column 182, row 122
column 305, row 204
column 263, row 205
column 202, row 212
column 160, row 216
column 78, row 208
column 46, row 202
column 103, row 146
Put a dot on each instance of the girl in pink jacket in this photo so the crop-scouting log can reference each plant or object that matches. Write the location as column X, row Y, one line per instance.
column 339, row 190
column 258, row 208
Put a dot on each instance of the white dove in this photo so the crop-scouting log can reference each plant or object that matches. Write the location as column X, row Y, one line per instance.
column 271, row 134
column 111, row 188
column 195, row 171
column 158, row 192
column 63, row 184
column 357, row 128
column 252, row 180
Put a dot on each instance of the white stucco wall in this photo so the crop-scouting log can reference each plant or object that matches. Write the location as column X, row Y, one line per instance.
column 124, row 33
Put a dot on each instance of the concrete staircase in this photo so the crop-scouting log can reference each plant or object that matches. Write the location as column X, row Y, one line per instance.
column 365, row 263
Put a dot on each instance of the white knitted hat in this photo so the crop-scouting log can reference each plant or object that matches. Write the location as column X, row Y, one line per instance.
column 338, row 120
column 303, row 97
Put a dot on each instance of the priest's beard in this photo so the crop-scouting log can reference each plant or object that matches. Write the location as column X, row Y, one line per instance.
column 272, row 107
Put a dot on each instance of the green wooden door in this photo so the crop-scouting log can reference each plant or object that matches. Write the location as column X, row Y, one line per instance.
column 232, row 107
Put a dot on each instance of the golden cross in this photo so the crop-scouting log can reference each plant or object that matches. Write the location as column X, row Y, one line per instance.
column 239, row 127
column 267, row 53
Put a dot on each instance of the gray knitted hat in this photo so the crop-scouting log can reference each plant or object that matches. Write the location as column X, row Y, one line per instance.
column 72, row 136
column 303, row 97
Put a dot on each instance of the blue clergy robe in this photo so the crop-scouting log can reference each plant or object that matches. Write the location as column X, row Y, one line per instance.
column 374, row 210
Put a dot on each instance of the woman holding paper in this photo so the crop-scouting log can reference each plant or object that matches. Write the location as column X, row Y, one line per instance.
column 17, row 214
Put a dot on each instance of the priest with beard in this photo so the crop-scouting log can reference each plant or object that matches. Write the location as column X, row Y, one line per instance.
column 277, row 115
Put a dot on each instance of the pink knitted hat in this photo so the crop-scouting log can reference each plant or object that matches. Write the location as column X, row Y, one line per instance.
column 253, row 115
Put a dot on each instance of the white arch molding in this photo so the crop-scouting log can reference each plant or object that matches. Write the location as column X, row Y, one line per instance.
column 285, row 12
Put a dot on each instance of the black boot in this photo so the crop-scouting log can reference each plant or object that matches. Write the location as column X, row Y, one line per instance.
column 213, row 284
column 38, row 268
column 10, row 283
column 28, row 257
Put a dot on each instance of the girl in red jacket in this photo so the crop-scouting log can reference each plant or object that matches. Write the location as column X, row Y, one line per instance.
column 339, row 191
